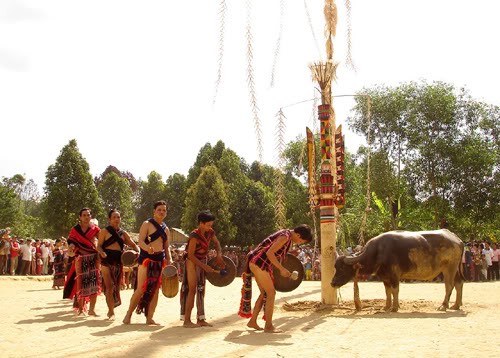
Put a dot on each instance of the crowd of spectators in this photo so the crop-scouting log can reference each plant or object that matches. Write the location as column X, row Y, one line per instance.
column 481, row 261
column 26, row 256
column 36, row 257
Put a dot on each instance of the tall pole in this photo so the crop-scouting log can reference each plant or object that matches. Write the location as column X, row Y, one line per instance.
column 324, row 73
column 328, row 210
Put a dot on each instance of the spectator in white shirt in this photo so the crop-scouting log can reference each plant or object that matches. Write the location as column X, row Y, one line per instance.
column 27, row 254
column 488, row 255
column 45, row 250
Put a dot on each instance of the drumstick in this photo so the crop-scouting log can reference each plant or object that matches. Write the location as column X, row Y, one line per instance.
column 222, row 272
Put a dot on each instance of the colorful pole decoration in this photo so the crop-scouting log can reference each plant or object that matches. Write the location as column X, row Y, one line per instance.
column 311, row 170
column 339, row 159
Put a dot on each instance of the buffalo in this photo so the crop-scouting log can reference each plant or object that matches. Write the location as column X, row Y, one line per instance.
column 397, row 255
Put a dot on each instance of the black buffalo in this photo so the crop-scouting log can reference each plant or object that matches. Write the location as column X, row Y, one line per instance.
column 396, row 255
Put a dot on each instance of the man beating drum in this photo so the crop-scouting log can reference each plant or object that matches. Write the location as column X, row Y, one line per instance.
column 194, row 280
column 260, row 262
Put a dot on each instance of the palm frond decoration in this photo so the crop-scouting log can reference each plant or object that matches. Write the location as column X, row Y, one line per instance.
column 349, row 62
column 278, row 42
column 330, row 12
column 279, row 186
column 251, row 81
column 362, row 227
column 324, row 73
column 222, row 26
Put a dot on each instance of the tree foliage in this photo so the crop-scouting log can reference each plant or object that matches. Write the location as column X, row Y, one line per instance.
column 150, row 191
column 9, row 206
column 443, row 148
column 434, row 158
column 208, row 193
column 175, row 195
column 116, row 193
column 69, row 186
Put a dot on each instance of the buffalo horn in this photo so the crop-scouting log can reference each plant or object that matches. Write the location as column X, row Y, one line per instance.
column 351, row 260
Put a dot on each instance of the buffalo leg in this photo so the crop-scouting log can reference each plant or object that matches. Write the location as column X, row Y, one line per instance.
column 459, row 285
column 448, row 284
column 395, row 297
column 388, row 295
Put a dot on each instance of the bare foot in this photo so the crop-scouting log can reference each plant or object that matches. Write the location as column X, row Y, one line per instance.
column 273, row 330
column 126, row 320
column 190, row 325
column 92, row 313
column 254, row 325
column 203, row 323
column 111, row 316
column 81, row 314
column 151, row 322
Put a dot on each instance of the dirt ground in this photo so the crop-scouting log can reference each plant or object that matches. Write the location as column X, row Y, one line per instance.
column 37, row 322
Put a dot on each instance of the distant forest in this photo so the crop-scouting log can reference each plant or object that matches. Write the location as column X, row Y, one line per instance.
column 434, row 162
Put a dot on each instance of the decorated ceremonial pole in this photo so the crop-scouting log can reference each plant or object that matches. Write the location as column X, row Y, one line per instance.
column 324, row 73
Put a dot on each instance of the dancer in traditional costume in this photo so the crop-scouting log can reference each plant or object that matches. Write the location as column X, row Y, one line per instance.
column 154, row 255
column 84, row 279
column 260, row 262
column 110, row 246
column 193, row 282
column 59, row 274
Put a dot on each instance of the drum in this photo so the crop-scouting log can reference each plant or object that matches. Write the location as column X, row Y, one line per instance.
column 169, row 281
column 225, row 275
column 286, row 284
column 129, row 258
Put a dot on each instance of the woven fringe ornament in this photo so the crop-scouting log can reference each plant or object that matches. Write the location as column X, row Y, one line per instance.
column 330, row 12
column 362, row 228
column 278, row 42
column 222, row 27
column 279, row 207
column 251, row 82
column 348, row 61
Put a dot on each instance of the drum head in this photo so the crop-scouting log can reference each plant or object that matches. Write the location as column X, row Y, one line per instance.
column 169, row 281
column 224, row 279
column 286, row 284
column 129, row 258
column 169, row 271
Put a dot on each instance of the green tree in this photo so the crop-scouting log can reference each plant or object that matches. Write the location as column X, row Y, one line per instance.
column 208, row 193
column 262, row 173
column 116, row 193
column 68, row 188
column 175, row 195
column 296, row 202
column 150, row 192
column 254, row 213
column 443, row 145
column 204, row 158
column 134, row 184
column 10, row 207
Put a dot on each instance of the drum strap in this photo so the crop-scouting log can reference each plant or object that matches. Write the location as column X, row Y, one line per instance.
column 116, row 236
